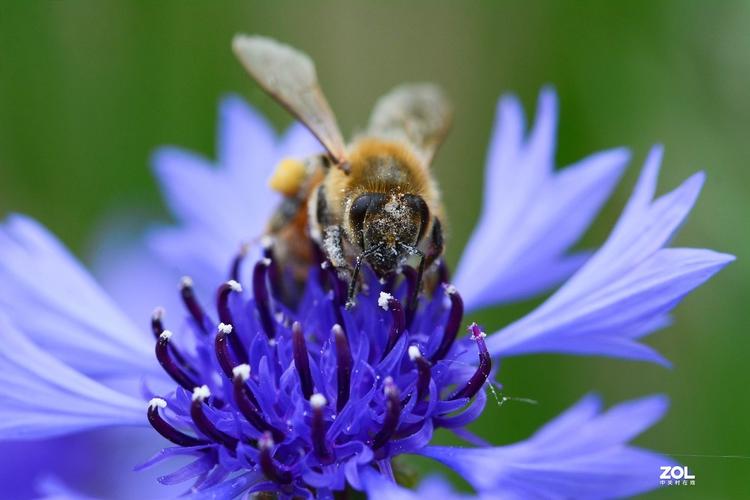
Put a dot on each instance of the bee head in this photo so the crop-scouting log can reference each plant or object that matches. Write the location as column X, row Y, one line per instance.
column 384, row 226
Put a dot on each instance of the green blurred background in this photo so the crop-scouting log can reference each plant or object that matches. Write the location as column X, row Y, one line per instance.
column 88, row 89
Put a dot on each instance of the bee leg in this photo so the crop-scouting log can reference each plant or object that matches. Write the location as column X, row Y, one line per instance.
column 437, row 243
column 333, row 247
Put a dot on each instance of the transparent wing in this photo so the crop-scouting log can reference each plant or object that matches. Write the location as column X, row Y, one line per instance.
column 289, row 76
column 418, row 113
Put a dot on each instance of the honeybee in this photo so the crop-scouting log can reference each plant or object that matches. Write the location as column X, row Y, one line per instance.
column 372, row 201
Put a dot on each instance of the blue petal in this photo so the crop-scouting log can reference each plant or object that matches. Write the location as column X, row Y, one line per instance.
column 51, row 298
column 245, row 139
column 532, row 214
column 136, row 279
column 222, row 206
column 230, row 488
column 378, row 487
column 44, row 397
column 581, row 454
column 627, row 288
column 86, row 463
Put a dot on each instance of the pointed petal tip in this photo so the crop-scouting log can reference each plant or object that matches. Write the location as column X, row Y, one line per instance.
column 163, row 158
column 548, row 96
column 657, row 150
column 593, row 399
column 659, row 403
column 664, row 362
column 231, row 100
column 549, row 89
column 509, row 105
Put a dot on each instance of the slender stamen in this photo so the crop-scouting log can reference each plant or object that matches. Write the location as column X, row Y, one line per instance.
column 410, row 275
column 157, row 328
column 390, row 303
column 157, row 322
column 234, row 273
column 338, row 288
column 201, row 394
column 169, row 365
column 344, row 364
column 301, row 360
column 191, row 303
column 268, row 464
column 222, row 300
column 223, row 354
column 262, row 299
column 452, row 325
column 392, row 414
column 225, row 316
column 248, row 405
column 318, row 403
column 443, row 273
column 165, row 429
column 424, row 369
column 274, row 272
column 483, row 370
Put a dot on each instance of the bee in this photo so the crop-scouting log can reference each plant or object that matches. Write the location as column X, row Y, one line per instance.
column 371, row 201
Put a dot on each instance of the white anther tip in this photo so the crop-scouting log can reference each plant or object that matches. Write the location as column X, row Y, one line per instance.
column 266, row 241
column 318, row 401
column 388, row 386
column 201, row 393
column 165, row 335
column 225, row 328
column 265, row 442
column 156, row 403
column 235, row 286
column 414, row 353
column 383, row 300
column 325, row 264
column 450, row 290
column 186, row 281
column 242, row 371
column 158, row 313
column 265, row 261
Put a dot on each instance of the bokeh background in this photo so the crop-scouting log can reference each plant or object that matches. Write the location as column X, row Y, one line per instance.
column 88, row 89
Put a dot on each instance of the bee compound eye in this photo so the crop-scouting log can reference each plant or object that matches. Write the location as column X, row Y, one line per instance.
column 419, row 207
column 358, row 212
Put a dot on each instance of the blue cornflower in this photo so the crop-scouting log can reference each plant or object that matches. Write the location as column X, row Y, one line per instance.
column 304, row 401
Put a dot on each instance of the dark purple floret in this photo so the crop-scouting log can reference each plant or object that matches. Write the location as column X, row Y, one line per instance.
column 303, row 398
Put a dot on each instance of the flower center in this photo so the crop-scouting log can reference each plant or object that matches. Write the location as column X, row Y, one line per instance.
column 305, row 396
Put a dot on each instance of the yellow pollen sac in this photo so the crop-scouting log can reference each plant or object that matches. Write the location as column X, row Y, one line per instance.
column 288, row 177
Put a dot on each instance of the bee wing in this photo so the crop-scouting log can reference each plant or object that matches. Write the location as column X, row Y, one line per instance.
column 288, row 75
column 418, row 113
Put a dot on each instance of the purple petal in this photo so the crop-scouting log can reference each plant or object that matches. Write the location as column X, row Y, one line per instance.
column 246, row 139
column 626, row 290
column 51, row 298
column 43, row 397
column 136, row 278
column 379, row 487
column 532, row 214
column 222, row 206
column 581, row 454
